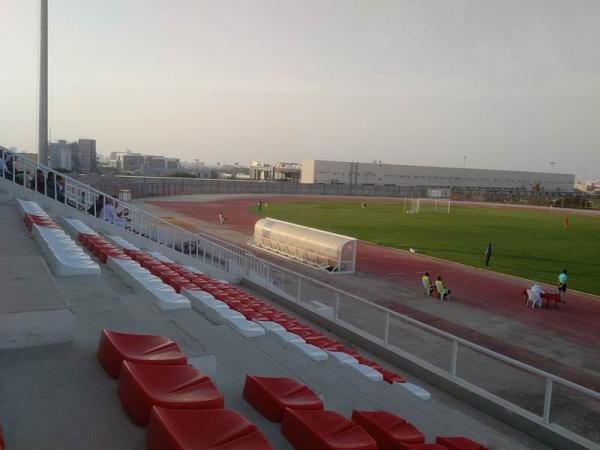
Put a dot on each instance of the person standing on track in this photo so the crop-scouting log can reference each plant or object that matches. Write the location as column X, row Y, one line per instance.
column 488, row 254
column 562, row 285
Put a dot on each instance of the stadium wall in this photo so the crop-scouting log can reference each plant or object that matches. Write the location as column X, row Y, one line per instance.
column 143, row 187
column 353, row 173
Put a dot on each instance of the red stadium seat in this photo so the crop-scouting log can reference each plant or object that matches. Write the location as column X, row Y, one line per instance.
column 251, row 314
column 1, row 440
column 104, row 253
column 391, row 377
column 178, row 283
column 324, row 430
column 387, row 429
column 271, row 396
column 114, row 348
column 173, row 429
column 142, row 386
column 459, row 443
column 420, row 447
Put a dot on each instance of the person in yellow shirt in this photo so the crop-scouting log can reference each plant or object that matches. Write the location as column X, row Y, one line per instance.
column 443, row 291
column 427, row 284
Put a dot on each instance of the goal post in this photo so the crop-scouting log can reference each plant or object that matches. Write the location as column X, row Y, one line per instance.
column 413, row 206
column 440, row 199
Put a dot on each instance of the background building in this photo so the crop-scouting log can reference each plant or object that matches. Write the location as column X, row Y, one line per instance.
column 61, row 154
column 332, row 172
column 86, row 155
column 159, row 165
column 78, row 156
column 127, row 161
column 279, row 171
column 139, row 164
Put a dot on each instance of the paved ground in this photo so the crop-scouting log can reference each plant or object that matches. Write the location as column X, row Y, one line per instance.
column 58, row 395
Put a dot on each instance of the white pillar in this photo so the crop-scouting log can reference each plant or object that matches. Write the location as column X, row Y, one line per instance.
column 43, row 113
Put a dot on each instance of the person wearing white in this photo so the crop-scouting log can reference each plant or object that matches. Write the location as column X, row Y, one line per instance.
column 109, row 214
column 536, row 294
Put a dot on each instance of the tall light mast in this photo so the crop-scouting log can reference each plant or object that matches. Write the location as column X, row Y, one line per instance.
column 43, row 113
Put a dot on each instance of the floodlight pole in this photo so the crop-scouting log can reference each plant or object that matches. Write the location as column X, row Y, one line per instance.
column 43, row 112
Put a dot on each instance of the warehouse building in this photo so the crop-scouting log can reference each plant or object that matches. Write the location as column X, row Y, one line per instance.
column 339, row 172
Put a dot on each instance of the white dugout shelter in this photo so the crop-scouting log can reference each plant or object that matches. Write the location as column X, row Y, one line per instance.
column 322, row 249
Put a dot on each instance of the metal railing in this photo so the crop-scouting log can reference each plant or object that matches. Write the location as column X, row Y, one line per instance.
column 506, row 379
column 104, row 207
column 508, row 382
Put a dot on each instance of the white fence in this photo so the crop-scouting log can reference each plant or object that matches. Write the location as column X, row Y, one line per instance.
column 84, row 198
column 510, row 383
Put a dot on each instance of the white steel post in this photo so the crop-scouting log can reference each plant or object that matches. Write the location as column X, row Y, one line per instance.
column 454, row 358
column 547, row 400
column 386, row 331
column 43, row 107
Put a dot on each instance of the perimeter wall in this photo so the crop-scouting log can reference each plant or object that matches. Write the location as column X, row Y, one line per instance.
column 142, row 187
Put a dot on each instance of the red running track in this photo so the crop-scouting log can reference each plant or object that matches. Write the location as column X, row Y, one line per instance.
column 489, row 291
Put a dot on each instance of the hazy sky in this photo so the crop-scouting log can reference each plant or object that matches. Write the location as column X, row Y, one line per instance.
column 510, row 84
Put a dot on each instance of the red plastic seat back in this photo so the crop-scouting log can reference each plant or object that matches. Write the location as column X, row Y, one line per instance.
column 421, row 447
column 271, row 396
column 142, row 386
column 387, row 429
column 114, row 348
column 309, row 430
column 175, row 429
column 459, row 443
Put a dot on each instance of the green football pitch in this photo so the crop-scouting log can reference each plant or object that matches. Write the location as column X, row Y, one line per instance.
column 527, row 243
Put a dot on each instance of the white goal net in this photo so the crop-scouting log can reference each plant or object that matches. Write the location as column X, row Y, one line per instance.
column 439, row 199
column 413, row 205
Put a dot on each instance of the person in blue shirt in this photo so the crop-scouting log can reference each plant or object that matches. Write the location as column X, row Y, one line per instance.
column 488, row 254
column 562, row 285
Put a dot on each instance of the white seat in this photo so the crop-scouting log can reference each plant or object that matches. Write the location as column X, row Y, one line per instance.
column 142, row 280
column 367, row 372
column 270, row 326
column 245, row 327
column 31, row 208
column 427, row 290
column 415, row 390
column 160, row 257
column 76, row 227
column 531, row 301
column 285, row 337
column 194, row 270
column 166, row 300
column 312, row 351
column 342, row 359
column 219, row 315
column 122, row 242
column 70, row 267
column 201, row 300
column 63, row 255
